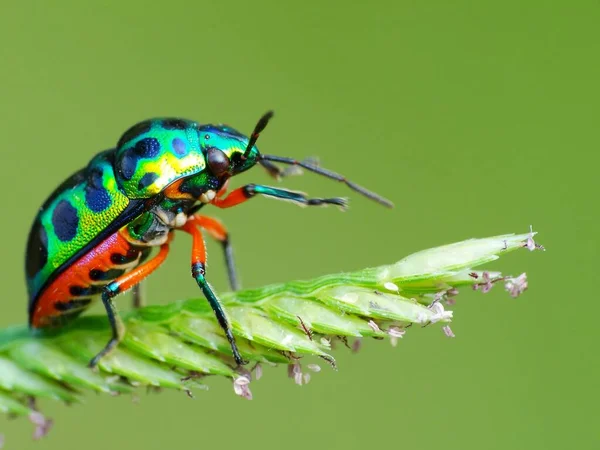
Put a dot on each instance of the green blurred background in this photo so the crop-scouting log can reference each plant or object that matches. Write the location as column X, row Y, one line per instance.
column 475, row 118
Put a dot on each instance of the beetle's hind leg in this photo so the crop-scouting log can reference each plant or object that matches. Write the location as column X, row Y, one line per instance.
column 122, row 284
column 138, row 291
column 216, row 229
column 199, row 272
column 116, row 324
column 137, row 295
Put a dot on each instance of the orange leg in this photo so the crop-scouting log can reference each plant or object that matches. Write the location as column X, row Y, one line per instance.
column 219, row 232
column 199, row 272
column 121, row 284
column 223, row 189
column 234, row 198
column 130, row 279
column 245, row 193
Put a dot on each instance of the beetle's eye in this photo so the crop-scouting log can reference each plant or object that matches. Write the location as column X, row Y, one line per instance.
column 218, row 162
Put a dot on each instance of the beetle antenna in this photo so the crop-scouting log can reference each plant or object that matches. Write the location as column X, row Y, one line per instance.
column 329, row 174
column 260, row 126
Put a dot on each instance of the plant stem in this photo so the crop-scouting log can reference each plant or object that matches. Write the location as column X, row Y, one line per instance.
column 178, row 345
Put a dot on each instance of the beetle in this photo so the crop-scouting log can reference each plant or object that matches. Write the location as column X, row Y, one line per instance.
column 94, row 235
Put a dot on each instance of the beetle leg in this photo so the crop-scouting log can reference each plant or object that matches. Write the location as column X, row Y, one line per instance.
column 244, row 193
column 221, row 192
column 216, row 229
column 119, row 285
column 199, row 272
column 138, row 296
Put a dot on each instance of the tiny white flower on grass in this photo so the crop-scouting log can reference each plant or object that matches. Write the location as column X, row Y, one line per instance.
column 530, row 244
column 439, row 313
column 487, row 284
column 42, row 424
column 374, row 326
column 258, row 372
column 450, row 296
column 395, row 333
column 516, row 286
column 448, row 331
column 242, row 381
column 241, row 386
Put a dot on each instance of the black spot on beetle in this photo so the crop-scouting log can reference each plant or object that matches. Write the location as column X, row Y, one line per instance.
column 134, row 132
column 127, row 165
column 144, row 148
column 179, row 147
column 72, row 304
column 37, row 249
column 108, row 275
column 64, row 318
column 80, row 291
column 175, row 124
column 147, row 180
column 147, row 148
column 96, row 195
column 65, row 221
column 120, row 259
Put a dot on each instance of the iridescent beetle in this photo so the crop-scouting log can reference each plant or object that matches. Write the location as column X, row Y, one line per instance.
column 94, row 235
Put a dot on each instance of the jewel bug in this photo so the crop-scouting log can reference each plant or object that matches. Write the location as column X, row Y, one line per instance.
column 95, row 234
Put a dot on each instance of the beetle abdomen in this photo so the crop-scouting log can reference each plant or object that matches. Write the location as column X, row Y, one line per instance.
column 81, row 283
column 76, row 213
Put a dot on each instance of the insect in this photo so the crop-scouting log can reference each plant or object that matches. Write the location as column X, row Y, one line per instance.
column 93, row 238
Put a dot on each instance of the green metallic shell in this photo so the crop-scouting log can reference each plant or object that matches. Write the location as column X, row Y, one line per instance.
column 78, row 211
column 154, row 153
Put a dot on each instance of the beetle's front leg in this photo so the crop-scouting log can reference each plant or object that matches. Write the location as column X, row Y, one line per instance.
column 122, row 284
column 245, row 193
column 199, row 272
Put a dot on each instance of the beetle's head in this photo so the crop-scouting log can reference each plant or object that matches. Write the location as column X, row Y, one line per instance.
column 228, row 152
